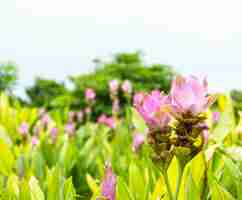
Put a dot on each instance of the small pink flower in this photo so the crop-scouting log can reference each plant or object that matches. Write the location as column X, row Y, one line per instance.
column 113, row 86
column 189, row 95
column 53, row 133
column 70, row 128
column 23, row 128
column 90, row 95
column 138, row 98
column 205, row 135
column 108, row 121
column 80, row 116
column 88, row 110
column 115, row 106
column 108, row 185
column 138, row 141
column 127, row 87
column 153, row 109
column 216, row 116
column 34, row 141
column 102, row 119
column 46, row 119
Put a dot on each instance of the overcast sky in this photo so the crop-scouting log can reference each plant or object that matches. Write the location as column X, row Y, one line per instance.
column 56, row 38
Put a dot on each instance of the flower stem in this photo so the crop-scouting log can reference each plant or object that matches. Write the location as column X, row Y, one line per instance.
column 179, row 178
column 168, row 186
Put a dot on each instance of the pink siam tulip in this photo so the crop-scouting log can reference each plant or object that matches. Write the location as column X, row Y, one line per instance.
column 138, row 141
column 115, row 107
column 205, row 135
column 70, row 129
column 127, row 87
column 189, row 96
column 54, row 133
column 46, row 119
column 108, row 185
column 138, row 99
column 23, row 128
column 90, row 95
column 153, row 108
column 216, row 116
column 34, row 141
column 108, row 121
column 113, row 86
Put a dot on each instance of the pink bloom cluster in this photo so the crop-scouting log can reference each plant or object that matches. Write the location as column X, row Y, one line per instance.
column 113, row 86
column 90, row 94
column 138, row 141
column 153, row 108
column 23, row 128
column 189, row 95
column 108, row 185
column 108, row 121
column 127, row 87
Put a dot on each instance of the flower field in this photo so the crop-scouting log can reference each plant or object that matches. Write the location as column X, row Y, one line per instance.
column 184, row 145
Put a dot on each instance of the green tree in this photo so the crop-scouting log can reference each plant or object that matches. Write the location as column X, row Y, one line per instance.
column 8, row 77
column 45, row 93
column 124, row 66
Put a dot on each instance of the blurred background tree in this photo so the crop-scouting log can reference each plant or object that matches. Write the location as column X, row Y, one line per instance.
column 124, row 66
column 44, row 92
column 8, row 77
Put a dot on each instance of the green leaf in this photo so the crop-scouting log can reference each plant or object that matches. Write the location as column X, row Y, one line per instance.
column 92, row 184
column 6, row 159
column 55, row 186
column 12, row 186
column 227, row 121
column 69, row 190
column 218, row 192
column 123, row 190
column 160, row 191
column 24, row 191
column 137, row 184
column 35, row 190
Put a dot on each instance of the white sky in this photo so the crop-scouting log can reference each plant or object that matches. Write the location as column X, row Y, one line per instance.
column 56, row 38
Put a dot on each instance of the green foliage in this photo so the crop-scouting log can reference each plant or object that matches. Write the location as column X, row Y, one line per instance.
column 124, row 66
column 8, row 77
column 71, row 168
column 45, row 91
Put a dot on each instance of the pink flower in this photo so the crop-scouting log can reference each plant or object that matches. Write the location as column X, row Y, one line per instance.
column 88, row 110
column 108, row 185
column 216, row 116
column 53, row 133
column 154, row 110
column 90, row 95
column 70, row 128
column 138, row 141
column 127, row 87
column 46, row 119
column 189, row 95
column 113, row 86
column 102, row 119
column 80, row 116
column 23, row 128
column 138, row 98
column 34, row 141
column 115, row 106
column 108, row 121
column 205, row 135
